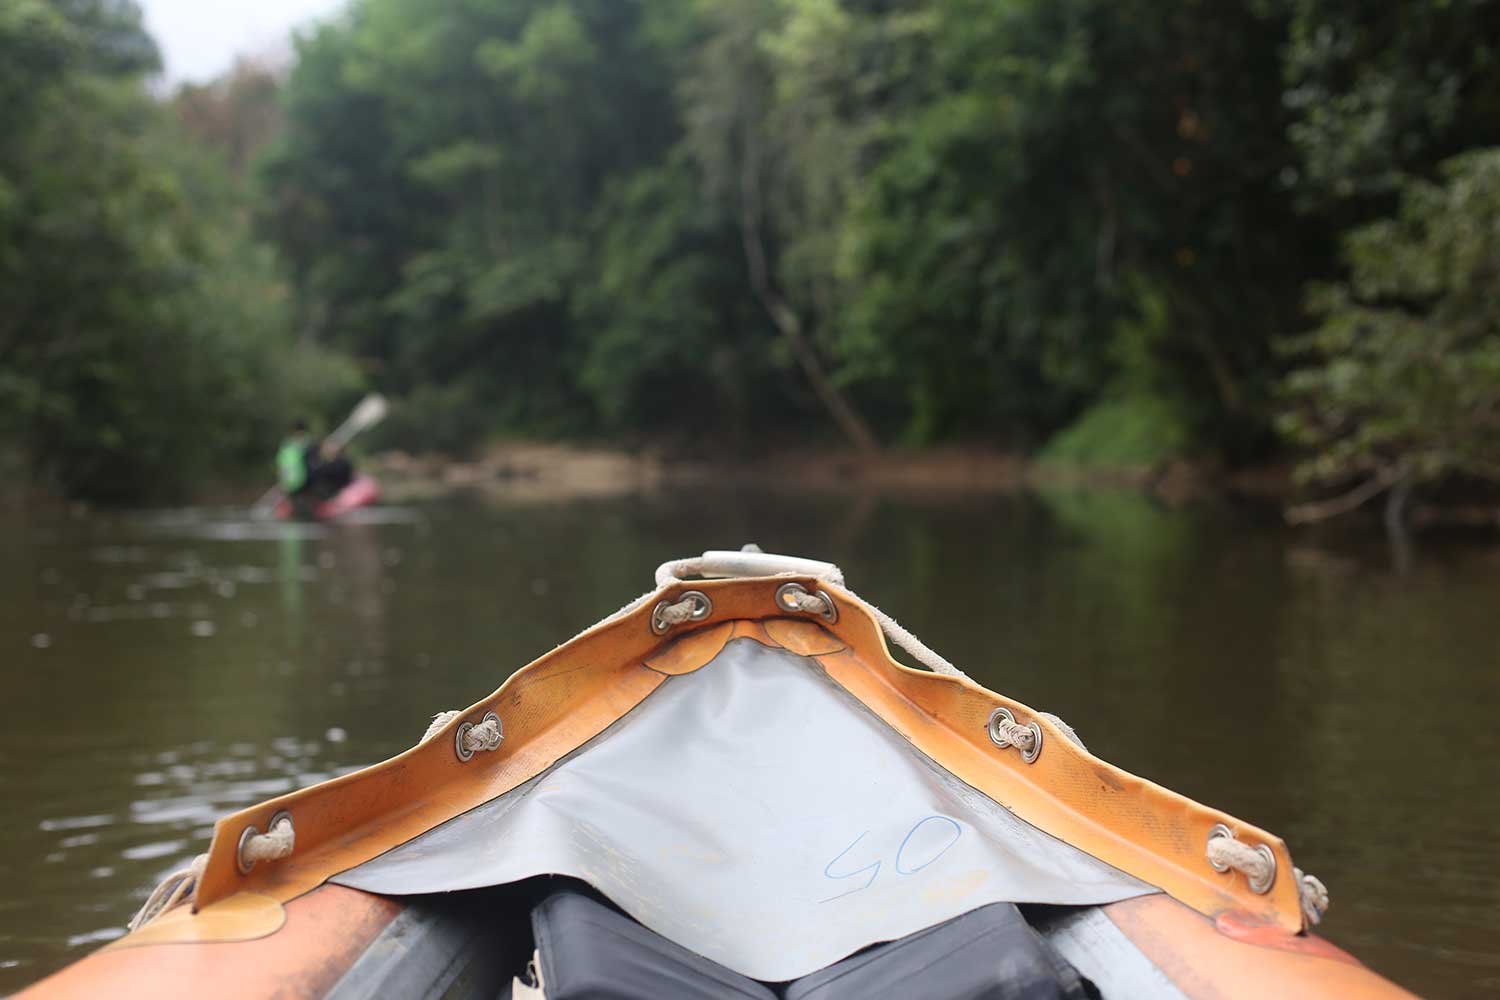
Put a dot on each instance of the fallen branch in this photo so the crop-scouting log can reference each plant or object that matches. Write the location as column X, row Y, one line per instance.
column 1322, row 510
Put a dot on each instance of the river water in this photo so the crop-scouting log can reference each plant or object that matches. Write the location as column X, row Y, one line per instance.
column 163, row 668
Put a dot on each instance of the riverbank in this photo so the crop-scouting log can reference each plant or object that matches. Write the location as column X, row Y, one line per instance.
column 529, row 470
column 522, row 471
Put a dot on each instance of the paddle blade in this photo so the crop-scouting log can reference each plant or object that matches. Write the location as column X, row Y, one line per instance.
column 371, row 410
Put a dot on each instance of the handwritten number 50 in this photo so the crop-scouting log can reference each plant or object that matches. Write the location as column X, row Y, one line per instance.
column 910, row 857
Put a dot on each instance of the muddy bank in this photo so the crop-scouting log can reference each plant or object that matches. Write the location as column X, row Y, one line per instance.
column 533, row 471
column 539, row 472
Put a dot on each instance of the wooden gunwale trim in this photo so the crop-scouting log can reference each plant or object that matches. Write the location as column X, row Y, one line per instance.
column 571, row 694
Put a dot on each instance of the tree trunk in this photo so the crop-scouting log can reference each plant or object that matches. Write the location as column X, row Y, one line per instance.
column 781, row 312
column 1395, row 506
column 1395, row 523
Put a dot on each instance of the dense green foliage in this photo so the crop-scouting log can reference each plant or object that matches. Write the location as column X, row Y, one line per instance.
column 978, row 217
column 1404, row 380
column 144, row 338
column 741, row 221
column 934, row 218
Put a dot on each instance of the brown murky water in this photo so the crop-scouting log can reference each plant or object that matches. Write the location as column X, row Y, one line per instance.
column 162, row 669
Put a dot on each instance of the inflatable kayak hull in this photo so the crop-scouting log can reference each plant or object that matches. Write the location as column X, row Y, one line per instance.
column 361, row 492
column 731, row 788
column 344, row 944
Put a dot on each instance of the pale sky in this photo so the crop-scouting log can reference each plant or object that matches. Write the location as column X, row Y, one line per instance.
column 199, row 39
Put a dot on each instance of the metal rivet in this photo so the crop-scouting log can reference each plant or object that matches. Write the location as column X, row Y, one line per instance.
column 997, row 735
column 703, row 607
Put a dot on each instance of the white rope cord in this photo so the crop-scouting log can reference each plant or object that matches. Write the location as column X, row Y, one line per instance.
column 916, row 647
column 179, row 887
column 627, row 609
column 812, row 604
column 1067, row 730
column 1313, row 895
column 1259, row 868
column 273, row 845
column 748, row 561
column 172, row 891
column 683, row 610
column 436, row 726
column 752, row 562
column 893, row 630
column 485, row 736
column 1019, row 736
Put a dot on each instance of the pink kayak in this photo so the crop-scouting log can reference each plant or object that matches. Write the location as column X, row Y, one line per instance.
column 361, row 491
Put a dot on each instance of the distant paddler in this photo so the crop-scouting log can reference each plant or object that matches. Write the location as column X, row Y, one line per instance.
column 311, row 470
column 312, row 473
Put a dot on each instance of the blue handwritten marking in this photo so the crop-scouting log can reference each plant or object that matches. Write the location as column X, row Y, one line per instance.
column 901, row 869
column 957, row 833
column 873, row 869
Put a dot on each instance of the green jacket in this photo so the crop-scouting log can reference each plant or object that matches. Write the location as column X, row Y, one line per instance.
column 291, row 465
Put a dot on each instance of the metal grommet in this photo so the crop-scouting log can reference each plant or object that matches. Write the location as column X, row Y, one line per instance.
column 830, row 614
column 463, row 752
column 784, row 592
column 1219, row 830
column 702, row 609
column 1259, row 886
column 240, row 861
column 1262, row 886
column 997, row 734
column 1030, row 756
column 239, row 855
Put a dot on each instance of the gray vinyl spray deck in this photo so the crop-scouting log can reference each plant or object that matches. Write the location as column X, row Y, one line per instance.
column 755, row 813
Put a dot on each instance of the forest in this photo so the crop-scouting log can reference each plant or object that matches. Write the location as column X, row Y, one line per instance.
column 1110, row 232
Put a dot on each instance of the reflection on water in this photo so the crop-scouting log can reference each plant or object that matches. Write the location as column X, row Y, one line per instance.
column 164, row 669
